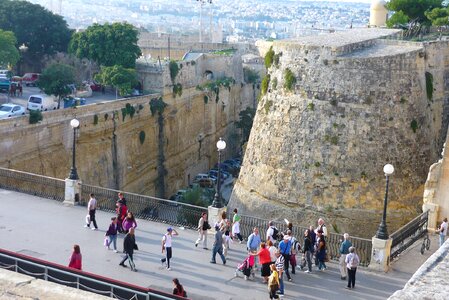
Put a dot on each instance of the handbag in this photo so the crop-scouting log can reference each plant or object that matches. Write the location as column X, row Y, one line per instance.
column 135, row 247
column 88, row 219
column 106, row 241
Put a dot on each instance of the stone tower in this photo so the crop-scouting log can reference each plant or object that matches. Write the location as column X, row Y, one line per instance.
column 360, row 99
column 378, row 13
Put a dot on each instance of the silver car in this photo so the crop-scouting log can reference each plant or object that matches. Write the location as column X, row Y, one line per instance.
column 9, row 110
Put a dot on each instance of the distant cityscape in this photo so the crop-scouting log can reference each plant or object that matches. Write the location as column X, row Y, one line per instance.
column 228, row 20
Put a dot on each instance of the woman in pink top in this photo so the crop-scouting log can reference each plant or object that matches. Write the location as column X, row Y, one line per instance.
column 75, row 259
column 129, row 222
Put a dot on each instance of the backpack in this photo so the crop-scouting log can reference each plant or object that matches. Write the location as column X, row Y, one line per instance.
column 295, row 246
column 275, row 234
column 354, row 261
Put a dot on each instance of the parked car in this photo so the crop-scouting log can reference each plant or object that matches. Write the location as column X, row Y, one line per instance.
column 42, row 102
column 73, row 101
column 95, row 86
column 206, row 182
column 11, row 110
column 214, row 173
column 4, row 84
column 30, row 79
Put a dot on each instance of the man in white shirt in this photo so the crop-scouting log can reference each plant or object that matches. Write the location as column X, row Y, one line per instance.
column 91, row 207
column 322, row 227
column 443, row 231
column 270, row 232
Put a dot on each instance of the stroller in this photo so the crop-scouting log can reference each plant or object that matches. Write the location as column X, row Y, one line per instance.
column 246, row 267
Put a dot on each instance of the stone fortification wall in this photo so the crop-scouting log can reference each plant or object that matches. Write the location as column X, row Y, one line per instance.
column 110, row 152
column 429, row 282
column 320, row 149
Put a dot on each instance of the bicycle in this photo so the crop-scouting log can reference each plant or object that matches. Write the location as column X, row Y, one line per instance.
column 425, row 244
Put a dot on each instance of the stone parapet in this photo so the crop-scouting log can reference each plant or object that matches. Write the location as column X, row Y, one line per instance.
column 18, row 286
column 430, row 281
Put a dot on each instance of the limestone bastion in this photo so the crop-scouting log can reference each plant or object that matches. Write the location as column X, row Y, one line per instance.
column 361, row 99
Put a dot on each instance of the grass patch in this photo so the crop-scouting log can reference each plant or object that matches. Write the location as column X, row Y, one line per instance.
column 290, row 79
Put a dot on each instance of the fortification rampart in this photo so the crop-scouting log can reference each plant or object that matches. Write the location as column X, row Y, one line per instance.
column 358, row 103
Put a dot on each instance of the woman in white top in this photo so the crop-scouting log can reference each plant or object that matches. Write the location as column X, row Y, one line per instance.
column 352, row 260
column 166, row 246
column 443, row 231
column 272, row 250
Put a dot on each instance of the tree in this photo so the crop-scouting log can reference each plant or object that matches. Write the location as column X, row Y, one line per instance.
column 414, row 9
column 108, row 44
column 398, row 18
column 55, row 80
column 245, row 123
column 123, row 79
column 438, row 16
column 9, row 55
column 43, row 32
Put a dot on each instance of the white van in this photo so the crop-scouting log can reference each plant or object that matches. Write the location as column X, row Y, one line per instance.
column 42, row 102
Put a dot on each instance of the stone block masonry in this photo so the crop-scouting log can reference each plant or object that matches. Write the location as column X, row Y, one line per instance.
column 359, row 102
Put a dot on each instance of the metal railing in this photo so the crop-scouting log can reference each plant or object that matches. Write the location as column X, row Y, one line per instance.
column 146, row 207
column 77, row 279
column 333, row 240
column 408, row 234
column 33, row 184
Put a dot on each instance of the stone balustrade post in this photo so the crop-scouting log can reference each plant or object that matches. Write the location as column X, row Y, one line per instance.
column 433, row 209
column 380, row 254
column 72, row 191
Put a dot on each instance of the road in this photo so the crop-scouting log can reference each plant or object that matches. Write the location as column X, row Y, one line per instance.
column 47, row 229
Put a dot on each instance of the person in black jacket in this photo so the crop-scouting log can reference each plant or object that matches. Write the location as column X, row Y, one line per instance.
column 308, row 250
column 129, row 244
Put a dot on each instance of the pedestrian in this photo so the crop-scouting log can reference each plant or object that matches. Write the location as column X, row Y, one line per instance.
column 272, row 250
column 308, row 250
column 203, row 227
column 178, row 289
column 76, row 258
column 218, row 246
column 352, row 261
column 265, row 261
column 111, row 234
column 225, row 228
column 121, row 198
column 296, row 246
column 167, row 246
column 19, row 89
column 443, row 231
column 91, row 208
column 344, row 250
column 273, row 282
column 280, row 269
column 129, row 245
column 272, row 233
column 236, row 226
column 253, row 242
column 121, row 210
column 321, row 251
column 285, row 247
column 129, row 222
column 322, row 227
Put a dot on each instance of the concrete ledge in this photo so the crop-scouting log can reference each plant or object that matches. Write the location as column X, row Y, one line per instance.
column 430, row 280
column 18, row 286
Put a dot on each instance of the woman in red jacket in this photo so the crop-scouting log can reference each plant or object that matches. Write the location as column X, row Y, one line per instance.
column 75, row 259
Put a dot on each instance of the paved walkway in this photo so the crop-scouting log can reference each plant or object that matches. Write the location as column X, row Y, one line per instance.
column 46, row 229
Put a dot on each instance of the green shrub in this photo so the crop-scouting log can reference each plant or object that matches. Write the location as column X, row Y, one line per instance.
column 177, row 90
column 124, row 113
column 267, row 106
column 265, row 83
column 250, row 76
column 140, row 107
column 157, row 105
column 403, row 100
column 106, row 116
column 311, row 106
column 276, row 58
column 174, row 70
column 95, row 119
column 317, row 164
column 35, row 116
column 142, row 137
column 429, row 85
column 269, row 56
column 414, row 125
column 334, row 140
column 290, row 79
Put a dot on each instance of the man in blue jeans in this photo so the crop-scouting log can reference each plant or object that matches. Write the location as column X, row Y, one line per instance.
column 218, row 246
column 285, row 247
column 443, row 231
column 280, row 262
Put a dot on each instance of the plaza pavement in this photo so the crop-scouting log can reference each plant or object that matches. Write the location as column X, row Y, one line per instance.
column 47, row 229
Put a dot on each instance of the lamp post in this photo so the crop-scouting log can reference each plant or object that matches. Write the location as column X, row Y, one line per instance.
column 73, row 174
column 221, row 145
column 382, row 232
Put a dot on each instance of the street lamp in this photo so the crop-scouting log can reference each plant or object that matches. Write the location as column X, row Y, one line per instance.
column 73, row 174
column 382, row 232
column 221, row 145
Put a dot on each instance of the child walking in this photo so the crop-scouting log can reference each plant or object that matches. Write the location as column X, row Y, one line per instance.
column 111, row 234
